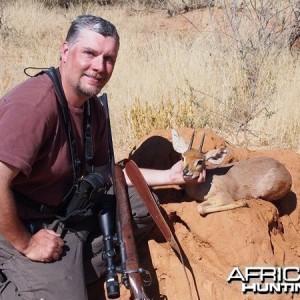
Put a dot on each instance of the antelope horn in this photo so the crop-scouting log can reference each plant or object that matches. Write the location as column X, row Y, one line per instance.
column 202, row 142
column 192, row 140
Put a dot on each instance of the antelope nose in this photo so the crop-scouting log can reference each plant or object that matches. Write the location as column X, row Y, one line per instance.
column 185, row 171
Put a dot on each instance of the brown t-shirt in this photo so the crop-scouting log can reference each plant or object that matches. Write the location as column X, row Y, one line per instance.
column 33, row 139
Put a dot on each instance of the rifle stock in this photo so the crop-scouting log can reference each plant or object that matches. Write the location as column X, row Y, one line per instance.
column 131, row 272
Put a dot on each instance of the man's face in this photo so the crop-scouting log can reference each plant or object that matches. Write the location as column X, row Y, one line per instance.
column 89, row 63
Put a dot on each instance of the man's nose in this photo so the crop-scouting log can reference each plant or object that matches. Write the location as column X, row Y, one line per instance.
column 99, row 64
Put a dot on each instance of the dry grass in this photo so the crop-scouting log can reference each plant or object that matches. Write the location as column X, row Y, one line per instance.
column 183, row 71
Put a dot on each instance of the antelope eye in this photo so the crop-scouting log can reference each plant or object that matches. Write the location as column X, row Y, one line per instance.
column 199, row 162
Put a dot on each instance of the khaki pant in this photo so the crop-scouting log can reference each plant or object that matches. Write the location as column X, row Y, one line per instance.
column 81, row 263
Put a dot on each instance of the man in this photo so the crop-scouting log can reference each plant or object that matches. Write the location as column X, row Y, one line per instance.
column 40, row 256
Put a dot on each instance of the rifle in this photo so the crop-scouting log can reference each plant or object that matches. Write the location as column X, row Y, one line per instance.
column 129, row 269
column 123, row 239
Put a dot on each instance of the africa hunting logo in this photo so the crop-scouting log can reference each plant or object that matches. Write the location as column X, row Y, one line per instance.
column 267, row 280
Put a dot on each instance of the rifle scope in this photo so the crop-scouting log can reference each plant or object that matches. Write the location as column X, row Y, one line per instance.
column 106, row 220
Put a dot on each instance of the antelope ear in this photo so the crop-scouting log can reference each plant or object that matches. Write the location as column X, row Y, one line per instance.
column 216, row 156
column 178, row 142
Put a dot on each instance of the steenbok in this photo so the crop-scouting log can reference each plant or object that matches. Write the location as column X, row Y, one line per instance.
column 258, row 177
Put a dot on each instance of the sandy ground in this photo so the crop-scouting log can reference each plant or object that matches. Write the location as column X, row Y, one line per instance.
column 264, row 234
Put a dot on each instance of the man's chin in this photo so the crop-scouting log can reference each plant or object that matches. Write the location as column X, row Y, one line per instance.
column 90, row 92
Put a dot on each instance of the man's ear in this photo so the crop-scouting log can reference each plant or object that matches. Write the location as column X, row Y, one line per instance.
column 216, row 156
column 64, row 51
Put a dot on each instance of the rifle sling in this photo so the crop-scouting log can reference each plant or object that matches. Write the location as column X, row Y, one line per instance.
column 145, row 194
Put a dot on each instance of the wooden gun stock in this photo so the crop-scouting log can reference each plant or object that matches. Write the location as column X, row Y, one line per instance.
column 131, row 274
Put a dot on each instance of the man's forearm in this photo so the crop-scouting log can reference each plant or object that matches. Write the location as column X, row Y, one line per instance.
column 154, row 177
column 172, row 176
column 11, row 227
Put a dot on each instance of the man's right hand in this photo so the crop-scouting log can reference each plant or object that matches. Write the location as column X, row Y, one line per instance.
column 44, row 246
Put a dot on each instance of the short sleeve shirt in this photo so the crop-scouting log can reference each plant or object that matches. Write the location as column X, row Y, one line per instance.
column 33, row 139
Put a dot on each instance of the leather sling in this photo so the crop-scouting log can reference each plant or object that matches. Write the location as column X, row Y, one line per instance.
column 142, row 188
column 145, row 194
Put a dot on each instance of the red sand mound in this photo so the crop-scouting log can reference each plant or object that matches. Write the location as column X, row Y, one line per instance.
column 264, row 234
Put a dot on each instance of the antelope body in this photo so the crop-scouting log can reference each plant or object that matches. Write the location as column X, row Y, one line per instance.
column 258, row 177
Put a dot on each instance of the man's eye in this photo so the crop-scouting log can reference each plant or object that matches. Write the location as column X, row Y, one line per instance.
column 88, row 53
column 110, row 60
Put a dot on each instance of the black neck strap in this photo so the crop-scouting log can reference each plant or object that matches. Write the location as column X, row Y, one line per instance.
column 88, row 144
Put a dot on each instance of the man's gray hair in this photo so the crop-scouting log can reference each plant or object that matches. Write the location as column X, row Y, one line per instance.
column 93, row 23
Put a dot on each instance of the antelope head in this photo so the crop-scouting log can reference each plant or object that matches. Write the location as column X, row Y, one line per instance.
column 194, row 160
